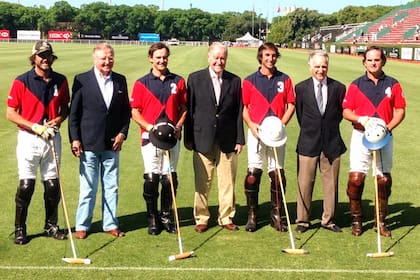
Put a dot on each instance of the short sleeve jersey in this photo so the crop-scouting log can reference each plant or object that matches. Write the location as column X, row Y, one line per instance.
column 267, row 97
column 367, row 99
column 37, row 100
column 154, row 97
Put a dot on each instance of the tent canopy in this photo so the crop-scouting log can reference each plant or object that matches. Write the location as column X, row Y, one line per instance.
column 247, row 39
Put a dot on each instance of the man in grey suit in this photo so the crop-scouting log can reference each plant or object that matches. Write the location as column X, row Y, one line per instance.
column 319, row 113
column 98, row 125
column 214, row 130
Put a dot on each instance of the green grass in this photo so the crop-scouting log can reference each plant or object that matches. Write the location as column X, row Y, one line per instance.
column 219, row 254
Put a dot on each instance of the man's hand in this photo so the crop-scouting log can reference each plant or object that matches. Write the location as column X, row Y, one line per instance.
column 363, row 121
column 46, row 132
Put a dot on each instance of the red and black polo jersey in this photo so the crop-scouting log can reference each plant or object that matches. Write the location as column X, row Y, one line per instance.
column 367, row 99
column 267, row 96
column 37, row 100
column 155, row 98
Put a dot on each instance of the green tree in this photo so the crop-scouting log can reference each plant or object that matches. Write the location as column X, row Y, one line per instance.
column 142, row 19
column 93, row 17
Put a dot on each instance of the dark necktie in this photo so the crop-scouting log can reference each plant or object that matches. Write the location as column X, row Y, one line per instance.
column 319, row 99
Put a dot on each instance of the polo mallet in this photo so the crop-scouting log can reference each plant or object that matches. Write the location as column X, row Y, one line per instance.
column 378, row 254
column 74, row 259
column 182, row 254
column 293, row 250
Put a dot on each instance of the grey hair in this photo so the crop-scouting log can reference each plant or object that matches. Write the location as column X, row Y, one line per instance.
column 218, row 45
column 318, row 53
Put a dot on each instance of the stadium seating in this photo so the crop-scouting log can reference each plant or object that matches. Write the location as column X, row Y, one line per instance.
column 401, row 25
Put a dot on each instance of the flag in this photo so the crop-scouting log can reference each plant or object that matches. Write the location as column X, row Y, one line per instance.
column 278, row 9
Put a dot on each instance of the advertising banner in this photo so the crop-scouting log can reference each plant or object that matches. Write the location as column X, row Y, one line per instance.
column 4, row 34
column 59, row 35
column 28, row 35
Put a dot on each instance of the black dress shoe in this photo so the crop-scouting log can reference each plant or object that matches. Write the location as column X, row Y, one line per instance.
column 332, row 227
column 301, row 229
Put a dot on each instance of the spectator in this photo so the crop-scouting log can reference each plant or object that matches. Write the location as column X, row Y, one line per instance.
column 214, row 130
column 319, row 112
column 98, row 125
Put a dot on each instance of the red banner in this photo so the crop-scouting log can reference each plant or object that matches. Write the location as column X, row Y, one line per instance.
column 4, row 34
column 59, row 35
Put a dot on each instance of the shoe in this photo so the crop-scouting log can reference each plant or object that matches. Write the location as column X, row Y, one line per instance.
column 280, row 227
column 81, row 234
column 154, row 226
column 332, row 227
column 301, row 229
column 230, row 226
column 115, row 232
column 54, row 232
column 20, row 236
column 166, row 222
column 201, row 228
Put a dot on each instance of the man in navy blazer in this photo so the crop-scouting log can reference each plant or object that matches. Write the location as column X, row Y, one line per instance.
column 319, row 143
column 98, row 125
column 214, row 130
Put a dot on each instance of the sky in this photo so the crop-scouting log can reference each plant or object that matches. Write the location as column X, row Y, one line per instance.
column 265, row 8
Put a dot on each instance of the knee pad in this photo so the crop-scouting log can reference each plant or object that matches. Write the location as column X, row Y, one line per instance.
column 24, row 192
column 151, row 185
column 384, row 185
column 166, row 183
column 355, row 185
column 253, row 179
column 52, row 190
column 274, row 178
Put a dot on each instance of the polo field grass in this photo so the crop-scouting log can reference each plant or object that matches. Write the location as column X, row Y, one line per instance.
column 218, row 253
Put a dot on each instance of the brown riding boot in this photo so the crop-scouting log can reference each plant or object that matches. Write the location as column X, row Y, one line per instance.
column 356, row 216
column 277, row 200
column 252, row 202
column 384, row 191
column 251, row 187
column 355, row 185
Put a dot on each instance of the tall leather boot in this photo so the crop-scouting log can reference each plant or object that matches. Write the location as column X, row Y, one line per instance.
column 277, row 200
column 23, row 197
column 150, row 194
column 251, row 187
column 51, row 201
column 166, row 202
column 384, row 191
column 355, row 185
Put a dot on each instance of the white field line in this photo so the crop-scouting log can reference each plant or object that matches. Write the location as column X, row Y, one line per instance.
column 209, row 269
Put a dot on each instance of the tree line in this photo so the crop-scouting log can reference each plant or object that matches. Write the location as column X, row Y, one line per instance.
column 186, row 25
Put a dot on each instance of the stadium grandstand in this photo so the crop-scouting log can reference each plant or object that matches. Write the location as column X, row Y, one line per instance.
column 399, row 26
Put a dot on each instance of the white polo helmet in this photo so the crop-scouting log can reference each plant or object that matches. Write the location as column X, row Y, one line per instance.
column 272, row 132
column 376, row 134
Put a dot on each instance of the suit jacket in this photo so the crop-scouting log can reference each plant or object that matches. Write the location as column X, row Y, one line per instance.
column 90, row 121
column 320, row 132
column 208, row 123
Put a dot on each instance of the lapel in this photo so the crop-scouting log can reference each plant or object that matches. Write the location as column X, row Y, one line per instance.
column 330, row 90
column 97, row 90
column 311, row 86
column 225, row 87
column 208, row 84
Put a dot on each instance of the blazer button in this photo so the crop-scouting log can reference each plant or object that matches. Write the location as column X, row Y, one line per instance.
column 217, row 115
